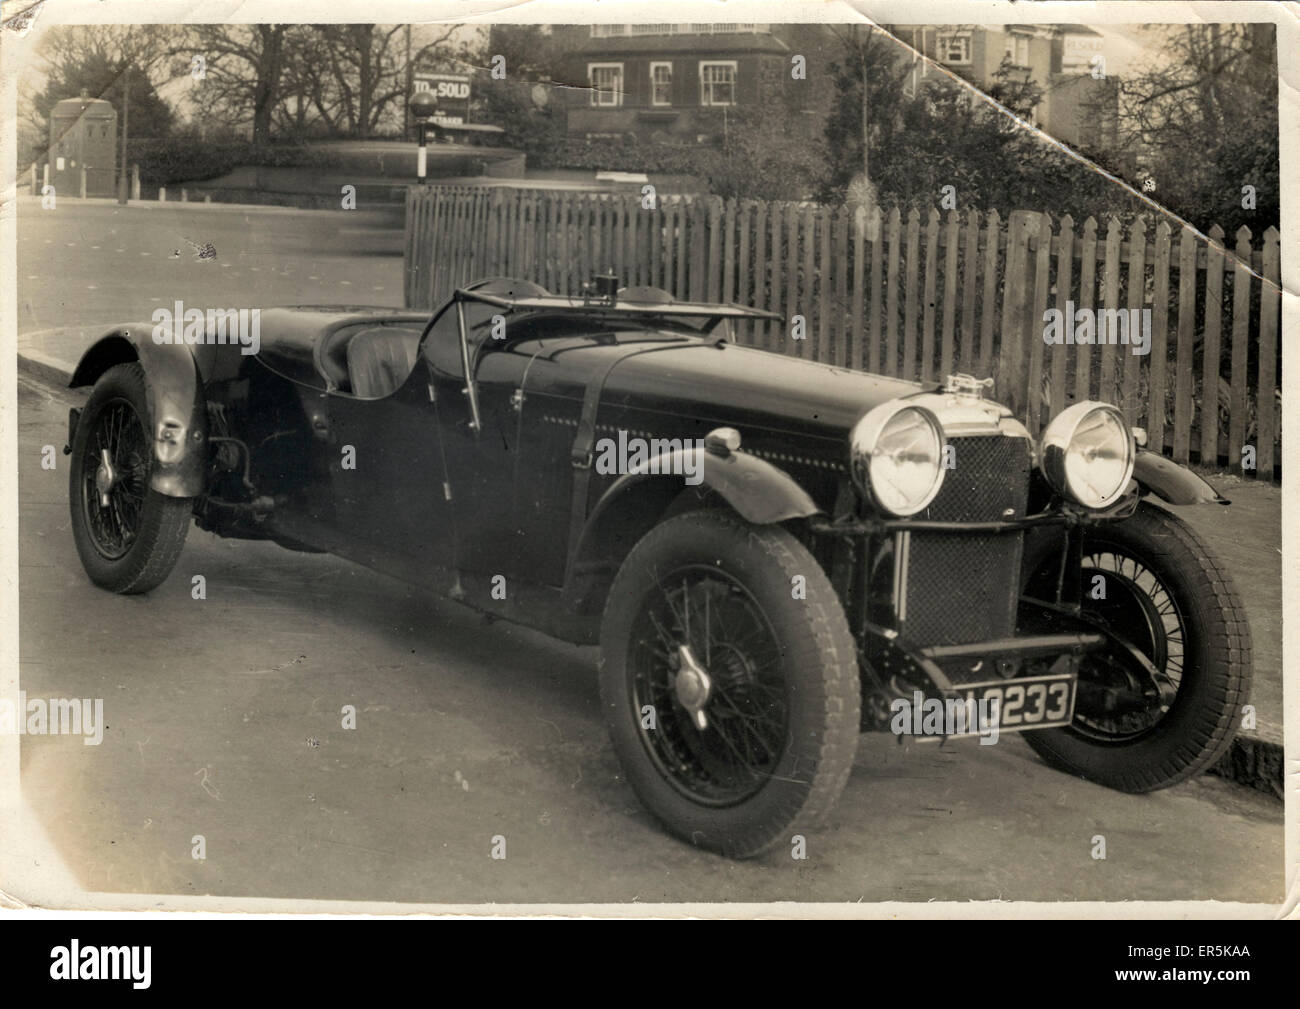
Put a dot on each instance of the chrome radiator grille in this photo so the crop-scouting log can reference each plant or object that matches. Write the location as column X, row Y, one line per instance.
column 958, row 588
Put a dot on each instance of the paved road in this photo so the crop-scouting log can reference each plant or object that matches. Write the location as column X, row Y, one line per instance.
column 89, row 262
column 223, row 720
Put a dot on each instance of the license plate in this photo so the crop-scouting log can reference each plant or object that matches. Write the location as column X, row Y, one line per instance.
column 1033, row 702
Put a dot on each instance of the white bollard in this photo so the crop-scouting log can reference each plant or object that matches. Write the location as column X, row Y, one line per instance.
column 162, row 194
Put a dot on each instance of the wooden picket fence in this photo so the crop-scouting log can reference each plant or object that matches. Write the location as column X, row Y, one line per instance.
column 915, row 297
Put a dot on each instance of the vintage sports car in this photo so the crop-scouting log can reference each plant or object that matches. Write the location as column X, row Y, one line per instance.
column 797, row 554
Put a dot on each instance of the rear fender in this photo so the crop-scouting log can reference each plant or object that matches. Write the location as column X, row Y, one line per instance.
column 177, row 405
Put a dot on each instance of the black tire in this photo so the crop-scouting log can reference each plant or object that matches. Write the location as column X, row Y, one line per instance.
column 131, row 545
column 1205, row 652
column 789, row 698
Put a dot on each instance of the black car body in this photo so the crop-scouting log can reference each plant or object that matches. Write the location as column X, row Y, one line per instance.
column 462, row 453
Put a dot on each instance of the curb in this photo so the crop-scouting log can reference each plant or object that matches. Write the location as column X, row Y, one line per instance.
column 1254, row 762
column 44, row 368
column 1250, row 760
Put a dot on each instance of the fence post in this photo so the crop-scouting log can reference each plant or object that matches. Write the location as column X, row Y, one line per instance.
column 82, row 185
column 1087, row 298
column 1136, row 296
column 1107, row 389
column 714, row 289
column 931, row 279
column 1240, row 347
column 1211, row 359
column 989, row 308
column 970, row 278
column 1064, row 290
column 135, row 181
column 946, row 353
column 912, row 267
column 891, row 315
column 1015, row 295
column 1270, row 292
column 853, row 352
column 1183, row 353
column 1034, row 324
column 793, row 305
column 1155, row 424
column 35, row 191
column 877, row 254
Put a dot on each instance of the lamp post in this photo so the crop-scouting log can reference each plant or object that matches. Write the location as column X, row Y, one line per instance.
column 422, row 107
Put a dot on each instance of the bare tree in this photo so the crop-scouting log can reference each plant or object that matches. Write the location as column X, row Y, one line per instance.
column 358, row 73
column 245, row 64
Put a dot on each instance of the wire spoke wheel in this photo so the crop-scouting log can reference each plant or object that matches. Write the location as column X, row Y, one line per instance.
column 128, row 535
column 732, row 703
column 707, row 664
column 1139, row 609
column 114, row 473
column 1162, row 702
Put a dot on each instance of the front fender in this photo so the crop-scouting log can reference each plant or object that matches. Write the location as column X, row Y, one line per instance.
column 758, row 491
column 177, row 405
column 1171, row 482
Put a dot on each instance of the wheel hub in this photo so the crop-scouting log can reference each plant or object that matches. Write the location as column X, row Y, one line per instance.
column 693, row 686
column 105, row 478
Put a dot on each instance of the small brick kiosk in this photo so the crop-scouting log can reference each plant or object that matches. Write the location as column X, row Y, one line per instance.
column 83, row 131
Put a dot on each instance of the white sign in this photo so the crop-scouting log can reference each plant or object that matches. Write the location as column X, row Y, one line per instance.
column 444, row 87
column 1078, row 51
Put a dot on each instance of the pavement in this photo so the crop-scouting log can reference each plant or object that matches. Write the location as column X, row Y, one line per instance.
column 89, row 262
column 223, row 714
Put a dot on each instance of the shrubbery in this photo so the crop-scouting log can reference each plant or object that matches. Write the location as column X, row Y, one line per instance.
column 165, row 162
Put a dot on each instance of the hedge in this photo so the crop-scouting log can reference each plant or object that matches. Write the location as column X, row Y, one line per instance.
column 165, row 162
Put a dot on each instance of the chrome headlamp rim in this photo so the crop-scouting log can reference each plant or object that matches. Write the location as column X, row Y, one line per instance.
column 865, row 436
column 1055, row 443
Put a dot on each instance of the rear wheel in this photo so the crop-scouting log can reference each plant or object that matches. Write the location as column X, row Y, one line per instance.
column 730, row 686
column 1165, row 706
column 128, row 536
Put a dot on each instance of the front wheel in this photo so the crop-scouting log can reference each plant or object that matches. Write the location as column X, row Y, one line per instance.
column 729, row 681
column 1162, row 704
column 128, row 536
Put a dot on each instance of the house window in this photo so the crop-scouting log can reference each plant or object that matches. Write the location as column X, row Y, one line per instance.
column 661, row 83
column 607, row 31
column 1017, row 50
column 606, row 83
column 954, row 48
column 718, row 83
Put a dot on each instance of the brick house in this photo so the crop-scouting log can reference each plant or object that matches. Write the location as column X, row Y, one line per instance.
column 667, row 83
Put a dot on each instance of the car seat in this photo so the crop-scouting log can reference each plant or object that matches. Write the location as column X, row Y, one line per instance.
column 380, row 359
